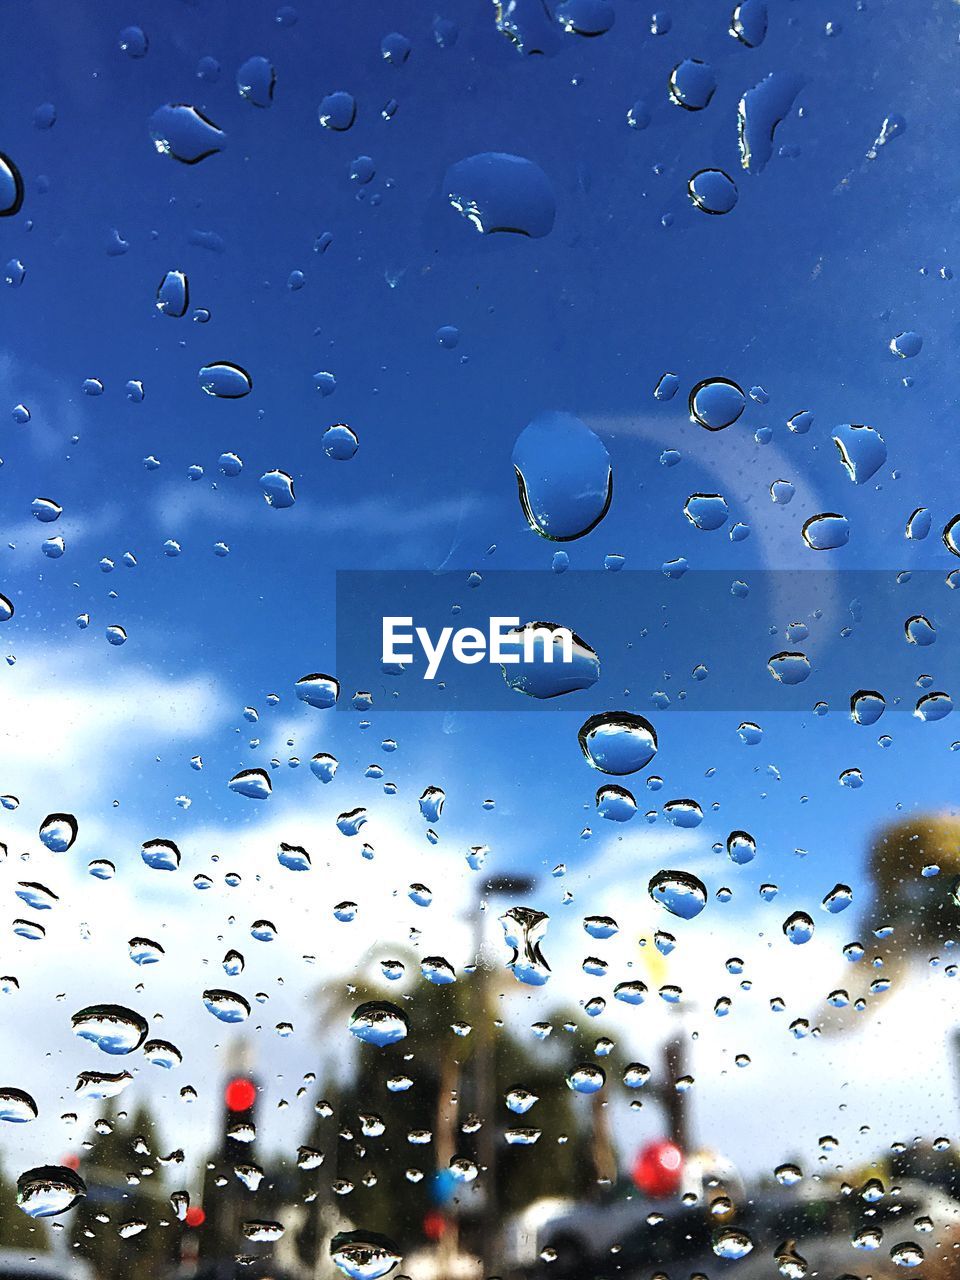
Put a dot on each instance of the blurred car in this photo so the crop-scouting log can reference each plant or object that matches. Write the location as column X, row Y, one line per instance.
column 22, row 1264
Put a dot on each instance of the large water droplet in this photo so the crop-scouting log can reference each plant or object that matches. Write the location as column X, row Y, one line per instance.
column 173, row 295
column 228, row 1006
column 716, row 403
column 586, row 1078
column 679, row 892
column 58, row 831
column 278, row 490
column 862, row 451
column 318, row 690
column 11, row 187
column 256, row 80
column 564, row 476
column 225, row 380
column 500, row 192
column 524, row 929
column 185, row 133
column 618, row 742
column 713, row 191
column 111, row 1027
column 826, row 531
column 364, row 1255
column 748, row 22
column 546, row 675
column 379, row 1023
column 692, row 84
column 16, row 1106
column 255, row 784
column 867, row 706
column 338, row 110
column 161, row 855
column 48, row 1190
column 706, row 511
column 789, row 668
column 798, row 928
column 760, row 111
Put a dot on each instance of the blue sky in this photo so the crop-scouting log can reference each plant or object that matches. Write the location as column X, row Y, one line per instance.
column 799, row 290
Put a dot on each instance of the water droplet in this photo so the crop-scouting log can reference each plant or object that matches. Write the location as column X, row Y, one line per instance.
column 713, row 191
column 586, row 1078
column 906, row 345
column 173, row 296
column 716, row 403
column 732, row 1243
column 683, row 813
column 256, row 81
column 260, row 1231
column 497, row 192
column 741, row 847
column 933, row 706
column 748, row 22
column 58, row 831
column 838, row 899
column 228, row 1006
column 679, row 892
column 185, row 133
column 161, row 1053
column 907, row 1254
column 161, row 855
column 546, row 674
column 111, row 1027
column 225, row 380
column 318, row 690
column 438, row 970
column 585, row 17
column 692, row 84
column 364, row 1255
column 6, row 609
column 798, row 928
column 862, row 451
column 293, row 857
column 45, row 510
column 379, row 1023
column 431, row 803
column 919, row 631
column 49, row 1190
column 564, row 476
column 618, row 742
column 255, row 784
column 826, row 531
column 706, row 511
column 94, row 1086
column 789, row 668
column 340, row 442
column 338, row 110
column 524, row 929
column 759, row 112
column 867, row 706
column 616, row 804
column 11, row 187
column 145, row 951
column 16, row 1106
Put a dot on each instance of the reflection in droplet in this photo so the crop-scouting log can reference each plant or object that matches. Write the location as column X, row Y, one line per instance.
column 318, row 690
column 564, row 476
column 616, row 804
column 161, row 855
column 546, row 674
column 58, row 831
column 255, row 784
column 748, row 22
column 618, row 742
column 173, row 295
column 586, row 1078
column 798, row 928
column 524, row 929
column 867, row 706
column 364, row 1255
column 789, row 668
column 11, row 187
column 379, row 1023
column 16, row 1106
column 278, row 490
column 679, row 892
column 706, row 511
column 228, row 1006
column 338, row 111
column 48, row 1190
column 111, row 1027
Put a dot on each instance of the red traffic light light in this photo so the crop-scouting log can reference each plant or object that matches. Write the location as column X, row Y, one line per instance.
column 240, row 1094
column 658, row 1169
column 195, row 1216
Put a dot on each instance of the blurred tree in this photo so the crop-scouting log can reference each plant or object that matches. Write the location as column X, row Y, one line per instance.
column 376, row 1176
column 123, row 1188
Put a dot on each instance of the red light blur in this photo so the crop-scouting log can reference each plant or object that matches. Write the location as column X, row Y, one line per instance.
column 240, row 1094
column 195, row 1216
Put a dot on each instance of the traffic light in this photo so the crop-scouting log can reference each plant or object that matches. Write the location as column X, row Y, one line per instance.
column 239, row 1119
